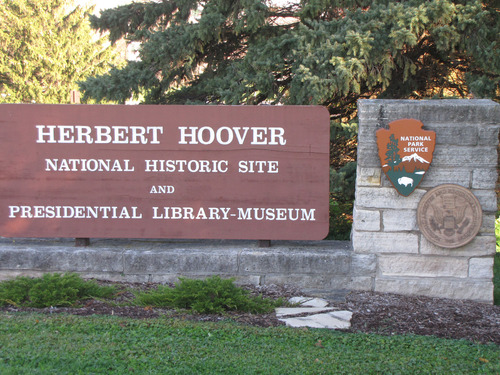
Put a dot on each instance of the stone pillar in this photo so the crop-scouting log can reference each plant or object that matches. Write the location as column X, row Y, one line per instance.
column 385, row 223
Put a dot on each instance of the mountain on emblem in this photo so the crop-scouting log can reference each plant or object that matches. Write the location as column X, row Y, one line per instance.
column 415, row 158
column 405, row 152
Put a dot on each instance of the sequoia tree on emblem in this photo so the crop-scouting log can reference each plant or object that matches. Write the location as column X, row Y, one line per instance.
column 405, row 152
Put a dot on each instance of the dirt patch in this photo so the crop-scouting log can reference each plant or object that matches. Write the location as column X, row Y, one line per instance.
column 381, row 313
column 396, row 314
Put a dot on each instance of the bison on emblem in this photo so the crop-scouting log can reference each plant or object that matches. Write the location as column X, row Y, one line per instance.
column 405, row 181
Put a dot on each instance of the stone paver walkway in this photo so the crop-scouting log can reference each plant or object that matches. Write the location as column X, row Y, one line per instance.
column 314, row 313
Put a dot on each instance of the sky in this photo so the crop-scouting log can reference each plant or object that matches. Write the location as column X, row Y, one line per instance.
column 103, row 4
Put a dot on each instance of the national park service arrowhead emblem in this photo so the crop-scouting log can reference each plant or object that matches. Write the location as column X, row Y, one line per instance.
column 405, row 152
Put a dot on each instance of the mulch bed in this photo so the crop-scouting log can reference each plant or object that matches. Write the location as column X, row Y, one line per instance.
column 380, row 313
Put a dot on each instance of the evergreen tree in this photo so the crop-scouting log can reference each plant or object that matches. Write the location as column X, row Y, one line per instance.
column 392, row 154
column 328, row 52
column 46, row 47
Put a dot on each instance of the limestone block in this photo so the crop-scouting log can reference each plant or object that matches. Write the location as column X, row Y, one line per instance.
column 121, row 277
column 445, row 111
column 308, row 261
column 367, row 155
column 488, row 225
column 369, row 110
column 481, row 268
column 174, row 278
column 366, row 220
column 248, row 280
column 385, row 181
column 87, row 260
column 484, row 178
column 368, row 176
column 423, row 266
column 360, row 283
column 12, row 274
column 451, row 134
column 399, row 220
column 476, row 290
column 480, row 246
column 363, row 264
column 61, row 259
column 386, row 197
column 488, row 135
column 464, row 157
column 380, row 110
column 380, row 242
column 179, row 261
column 321, row 284
column 487, row 198
column 367, row 133
column 348, row 282
column 446, row 175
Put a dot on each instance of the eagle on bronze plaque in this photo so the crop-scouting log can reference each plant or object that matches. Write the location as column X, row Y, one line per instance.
column 449, row 215
column 405, row 151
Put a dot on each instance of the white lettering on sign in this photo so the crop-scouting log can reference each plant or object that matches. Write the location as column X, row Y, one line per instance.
column 191, row 213
column 74, row 212
column 292, row 214
column 225, row 135
column 193, row 166
column 98, row 134
column 223, row 213
column 162, row 189
column 415, row 149
column 257, row 166
column 409, row 138
column 415, row 143
column 88, row 165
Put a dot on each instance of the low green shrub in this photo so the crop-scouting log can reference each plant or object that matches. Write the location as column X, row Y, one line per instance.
column 15, row 292
column 213, row 295
column 51, row 290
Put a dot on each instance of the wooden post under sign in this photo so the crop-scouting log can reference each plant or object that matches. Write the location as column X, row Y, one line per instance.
column 75, row 99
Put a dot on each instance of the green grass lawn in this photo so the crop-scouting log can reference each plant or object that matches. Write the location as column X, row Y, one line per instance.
column 61, row 344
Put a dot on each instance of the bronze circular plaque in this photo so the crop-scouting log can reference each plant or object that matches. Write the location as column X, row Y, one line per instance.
column 449, row 216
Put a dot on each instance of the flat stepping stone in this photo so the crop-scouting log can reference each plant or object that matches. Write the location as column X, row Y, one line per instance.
column 287, row 311
column 309, row 302
column 330, row 320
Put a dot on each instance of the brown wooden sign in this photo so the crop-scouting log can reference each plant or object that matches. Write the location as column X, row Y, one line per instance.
column 225, row 172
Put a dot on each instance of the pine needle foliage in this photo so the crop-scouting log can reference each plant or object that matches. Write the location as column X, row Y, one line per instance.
column 327, row 52
column 46, row 47
column 213, row 295
column 52, row 289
